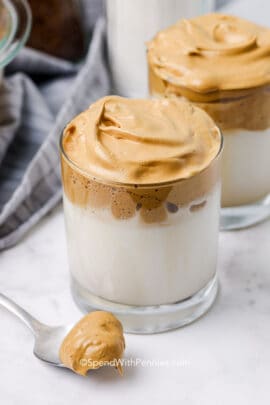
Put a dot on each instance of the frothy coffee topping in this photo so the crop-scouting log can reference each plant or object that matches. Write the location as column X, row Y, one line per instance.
column 97, row 339
column 141, row 141
column 210, row 54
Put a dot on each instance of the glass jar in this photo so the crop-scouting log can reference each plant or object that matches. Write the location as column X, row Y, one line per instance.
column 147, row 253
column 15, row 25
column 223, row 68
column 57, row 28
column 129, row 25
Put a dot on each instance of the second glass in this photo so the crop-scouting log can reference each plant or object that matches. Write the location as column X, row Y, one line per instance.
column 221, row 63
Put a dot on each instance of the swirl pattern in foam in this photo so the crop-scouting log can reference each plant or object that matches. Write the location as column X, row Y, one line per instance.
column 204, row 56
column 141, row 142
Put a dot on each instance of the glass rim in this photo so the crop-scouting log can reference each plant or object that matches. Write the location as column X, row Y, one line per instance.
column 20, row 16
column 119, row 184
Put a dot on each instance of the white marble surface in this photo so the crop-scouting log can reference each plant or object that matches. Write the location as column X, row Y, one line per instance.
column 223, row 358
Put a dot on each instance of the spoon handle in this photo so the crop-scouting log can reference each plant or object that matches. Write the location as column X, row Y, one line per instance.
column 33, row 324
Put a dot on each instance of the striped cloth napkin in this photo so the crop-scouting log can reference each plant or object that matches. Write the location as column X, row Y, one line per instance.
column 32, row 115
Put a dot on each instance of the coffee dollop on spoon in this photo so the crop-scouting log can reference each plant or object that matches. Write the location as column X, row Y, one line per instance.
column 96, row 340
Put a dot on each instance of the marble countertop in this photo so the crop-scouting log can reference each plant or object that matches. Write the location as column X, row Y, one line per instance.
column 223, row 358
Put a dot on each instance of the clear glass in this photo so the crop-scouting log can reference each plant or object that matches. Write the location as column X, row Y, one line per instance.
column 245, row 163
column 15, row 16
column 146, row 253
column 245, row 124
column 130, row 24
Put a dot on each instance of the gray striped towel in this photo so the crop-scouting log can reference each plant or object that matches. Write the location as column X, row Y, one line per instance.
column 32, row 116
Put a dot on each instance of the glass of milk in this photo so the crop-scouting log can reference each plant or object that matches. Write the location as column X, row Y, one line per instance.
column 129, row 25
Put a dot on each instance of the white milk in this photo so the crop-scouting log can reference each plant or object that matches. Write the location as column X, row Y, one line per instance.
column 130, row 262
column 245, row 166
column 131, row 23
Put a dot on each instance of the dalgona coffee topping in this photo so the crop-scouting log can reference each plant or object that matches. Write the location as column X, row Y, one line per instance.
column 140, row 142
column 210, row 54
column 96, row 340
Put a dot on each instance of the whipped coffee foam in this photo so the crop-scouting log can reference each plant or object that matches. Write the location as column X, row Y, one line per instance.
column 141, row 141
column 95, row 340
column 203, row 56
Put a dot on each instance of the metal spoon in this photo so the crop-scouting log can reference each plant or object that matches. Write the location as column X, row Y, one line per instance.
column 48, row 339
